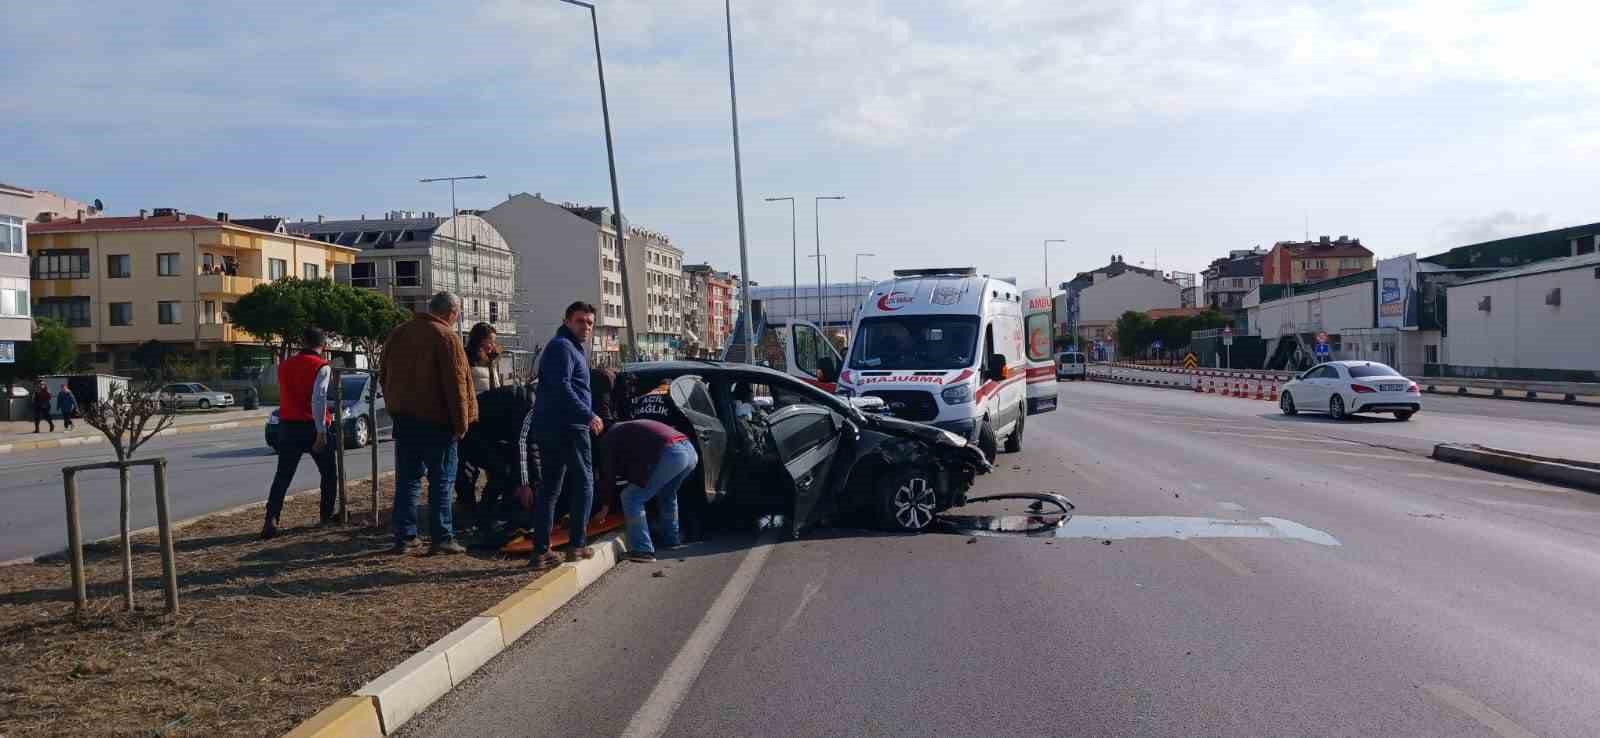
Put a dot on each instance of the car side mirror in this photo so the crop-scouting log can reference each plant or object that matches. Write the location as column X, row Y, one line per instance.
column 997, row 366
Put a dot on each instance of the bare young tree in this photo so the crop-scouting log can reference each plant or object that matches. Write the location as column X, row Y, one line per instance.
column 128, row 418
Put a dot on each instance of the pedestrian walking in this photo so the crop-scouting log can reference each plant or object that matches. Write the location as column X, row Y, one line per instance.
column 41, row 406
column 653, row 458
column 563, row 426
column 428, row 386
column 67, row 405
column 303, row 417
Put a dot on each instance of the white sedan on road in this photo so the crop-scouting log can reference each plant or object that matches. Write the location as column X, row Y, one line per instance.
column 1344, row 388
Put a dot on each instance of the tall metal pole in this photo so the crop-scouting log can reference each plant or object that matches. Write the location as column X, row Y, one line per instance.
column 738, row 193
column 455, row 243
column 611, row 161
column 816, row 229
column 794, row 259
column 855, row 286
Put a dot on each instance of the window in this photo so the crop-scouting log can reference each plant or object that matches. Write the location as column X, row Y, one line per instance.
column 13, row 235
column 169, row 313
column 405, row 274
column 1038, row 332
column 167, row 265
column 14, row 302
column 1372, row 370
column 74, row 311
column 474, row 275
column 210, row 315
column 310, row 271
column 277, row 269
column 1430, row 353
column 119, row 266
column 494, row 312
column 227, row 312
column 363, row 275
column 207, row 263
column 121, row 313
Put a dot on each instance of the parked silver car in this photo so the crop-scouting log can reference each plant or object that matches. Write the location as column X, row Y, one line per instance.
column 192, row 394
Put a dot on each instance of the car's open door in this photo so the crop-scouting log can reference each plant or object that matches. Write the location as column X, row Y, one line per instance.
column 693, row 399
column 806, row 438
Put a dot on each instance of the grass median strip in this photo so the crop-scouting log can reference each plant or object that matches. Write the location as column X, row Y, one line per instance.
column 270, row 633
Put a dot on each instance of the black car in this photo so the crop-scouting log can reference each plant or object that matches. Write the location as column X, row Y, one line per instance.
column 358, row 430
column 808, row 455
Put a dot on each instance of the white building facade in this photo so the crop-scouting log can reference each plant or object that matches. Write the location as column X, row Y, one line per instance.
column 1532, row 322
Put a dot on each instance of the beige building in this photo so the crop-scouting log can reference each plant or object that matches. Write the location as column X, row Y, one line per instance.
column 166, row 276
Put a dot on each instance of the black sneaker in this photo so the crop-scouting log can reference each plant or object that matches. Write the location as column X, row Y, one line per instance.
column 449, row 546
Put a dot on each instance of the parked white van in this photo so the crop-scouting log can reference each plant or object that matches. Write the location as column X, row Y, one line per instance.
column 944, row 347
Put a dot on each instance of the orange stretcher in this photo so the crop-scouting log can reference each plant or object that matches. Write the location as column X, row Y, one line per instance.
column 522, row 543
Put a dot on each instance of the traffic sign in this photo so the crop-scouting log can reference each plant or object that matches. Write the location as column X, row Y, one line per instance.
column 1190, row 361
column 1322, row 338
column 1156, row 344
column 1227, row 330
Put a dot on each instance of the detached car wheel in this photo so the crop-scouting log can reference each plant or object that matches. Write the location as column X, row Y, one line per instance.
column 907, row 501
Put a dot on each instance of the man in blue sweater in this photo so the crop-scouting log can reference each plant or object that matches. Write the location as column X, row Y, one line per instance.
column 563, row 425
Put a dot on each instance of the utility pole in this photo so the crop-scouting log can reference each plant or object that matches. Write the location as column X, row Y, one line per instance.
column 455, row 243
column 738, row 190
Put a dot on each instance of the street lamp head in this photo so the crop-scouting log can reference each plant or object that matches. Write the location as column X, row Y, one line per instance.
column 579, row 3
column 830, row 197
column 778, row 199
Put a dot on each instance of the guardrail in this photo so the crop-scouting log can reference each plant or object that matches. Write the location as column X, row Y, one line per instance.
column 1568, row 391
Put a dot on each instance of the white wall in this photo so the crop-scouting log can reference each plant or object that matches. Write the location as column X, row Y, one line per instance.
column 557, row 262
column 1520, row 330
column 1330, row 310
column 1107, row 300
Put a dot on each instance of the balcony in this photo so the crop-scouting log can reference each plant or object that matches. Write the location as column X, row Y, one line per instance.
column 223, row 284
column 225, row 333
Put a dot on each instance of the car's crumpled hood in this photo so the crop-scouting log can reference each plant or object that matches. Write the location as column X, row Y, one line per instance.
column 934, row 437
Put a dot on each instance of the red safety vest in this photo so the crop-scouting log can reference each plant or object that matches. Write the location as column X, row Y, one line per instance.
column 296, row 375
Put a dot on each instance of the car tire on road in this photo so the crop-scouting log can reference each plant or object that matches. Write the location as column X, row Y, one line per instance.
column 1336, row 408
column 906, row 500
column 360, row 436
column 1404, row 415
column 1014, row 441
column 1286, row 404
column 204, row 404
column 987, row 443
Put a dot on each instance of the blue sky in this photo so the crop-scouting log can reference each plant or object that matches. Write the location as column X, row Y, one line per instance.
column 961, row 131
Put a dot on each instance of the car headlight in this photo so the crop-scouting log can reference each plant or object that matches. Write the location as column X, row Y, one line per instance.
column 957, row 394
column 953, row 439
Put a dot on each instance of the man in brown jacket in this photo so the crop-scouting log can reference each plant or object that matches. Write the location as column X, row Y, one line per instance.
column 427, row 386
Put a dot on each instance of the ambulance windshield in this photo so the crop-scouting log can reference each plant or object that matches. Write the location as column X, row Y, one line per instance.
column 915, row 342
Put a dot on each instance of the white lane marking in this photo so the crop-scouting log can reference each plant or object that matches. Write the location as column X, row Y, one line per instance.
column 1279, row 437
column 1386, row 457
column 1222, row 557
column 655, row 715
column 1110, row 527
column 1484, row 714
column 811, row 591
column 1490, row 482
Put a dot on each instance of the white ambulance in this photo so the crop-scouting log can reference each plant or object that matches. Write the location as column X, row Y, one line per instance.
column 944, row 347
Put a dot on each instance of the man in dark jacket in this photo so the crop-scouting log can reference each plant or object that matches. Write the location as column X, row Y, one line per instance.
column 563, row 427
column 67, row 403
column 498, row 446
column 654, row 459
column 41, row 406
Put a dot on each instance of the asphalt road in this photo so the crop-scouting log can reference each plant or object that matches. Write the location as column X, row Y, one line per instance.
column 205, row 472
column 1226, row 574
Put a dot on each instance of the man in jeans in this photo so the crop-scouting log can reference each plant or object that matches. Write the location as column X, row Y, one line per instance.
column 427, row 384
column 303, row 416
column 563, row 425
column 654, row 458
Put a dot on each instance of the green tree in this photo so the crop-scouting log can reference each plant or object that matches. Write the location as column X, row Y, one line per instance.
column 50, row 350
column 1134, row 333
column 278, row 312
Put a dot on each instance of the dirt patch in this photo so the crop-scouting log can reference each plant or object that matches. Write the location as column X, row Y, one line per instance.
column 269, row 632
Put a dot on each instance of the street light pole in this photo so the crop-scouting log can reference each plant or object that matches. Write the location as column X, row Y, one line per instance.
column 822, row 290
column 455, row 243
column 616, row 199
column 816, row 229
column 857, row 287
column 738, row 192
column 794, row 260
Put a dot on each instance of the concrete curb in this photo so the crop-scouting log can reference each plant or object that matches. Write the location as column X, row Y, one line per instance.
column 177, row 525
column 350, row 717
column 399, row 694
column 1564, row 472
column 70, row 441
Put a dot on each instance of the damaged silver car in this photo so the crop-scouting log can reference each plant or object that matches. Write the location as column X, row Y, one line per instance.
column 770, row 444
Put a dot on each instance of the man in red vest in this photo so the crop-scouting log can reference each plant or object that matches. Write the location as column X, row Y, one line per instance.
column 303, row 417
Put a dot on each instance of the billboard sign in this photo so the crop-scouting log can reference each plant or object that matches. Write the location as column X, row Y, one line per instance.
column 1397, row 292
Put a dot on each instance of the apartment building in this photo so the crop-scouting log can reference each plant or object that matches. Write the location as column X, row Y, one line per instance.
column 692, row 342
column 410, row 256
column 20, row 207
column 1229, row 279
column 720, row 306
column 163, row 275
column 566, row 253
column 656, row 270
column 1300, row 262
